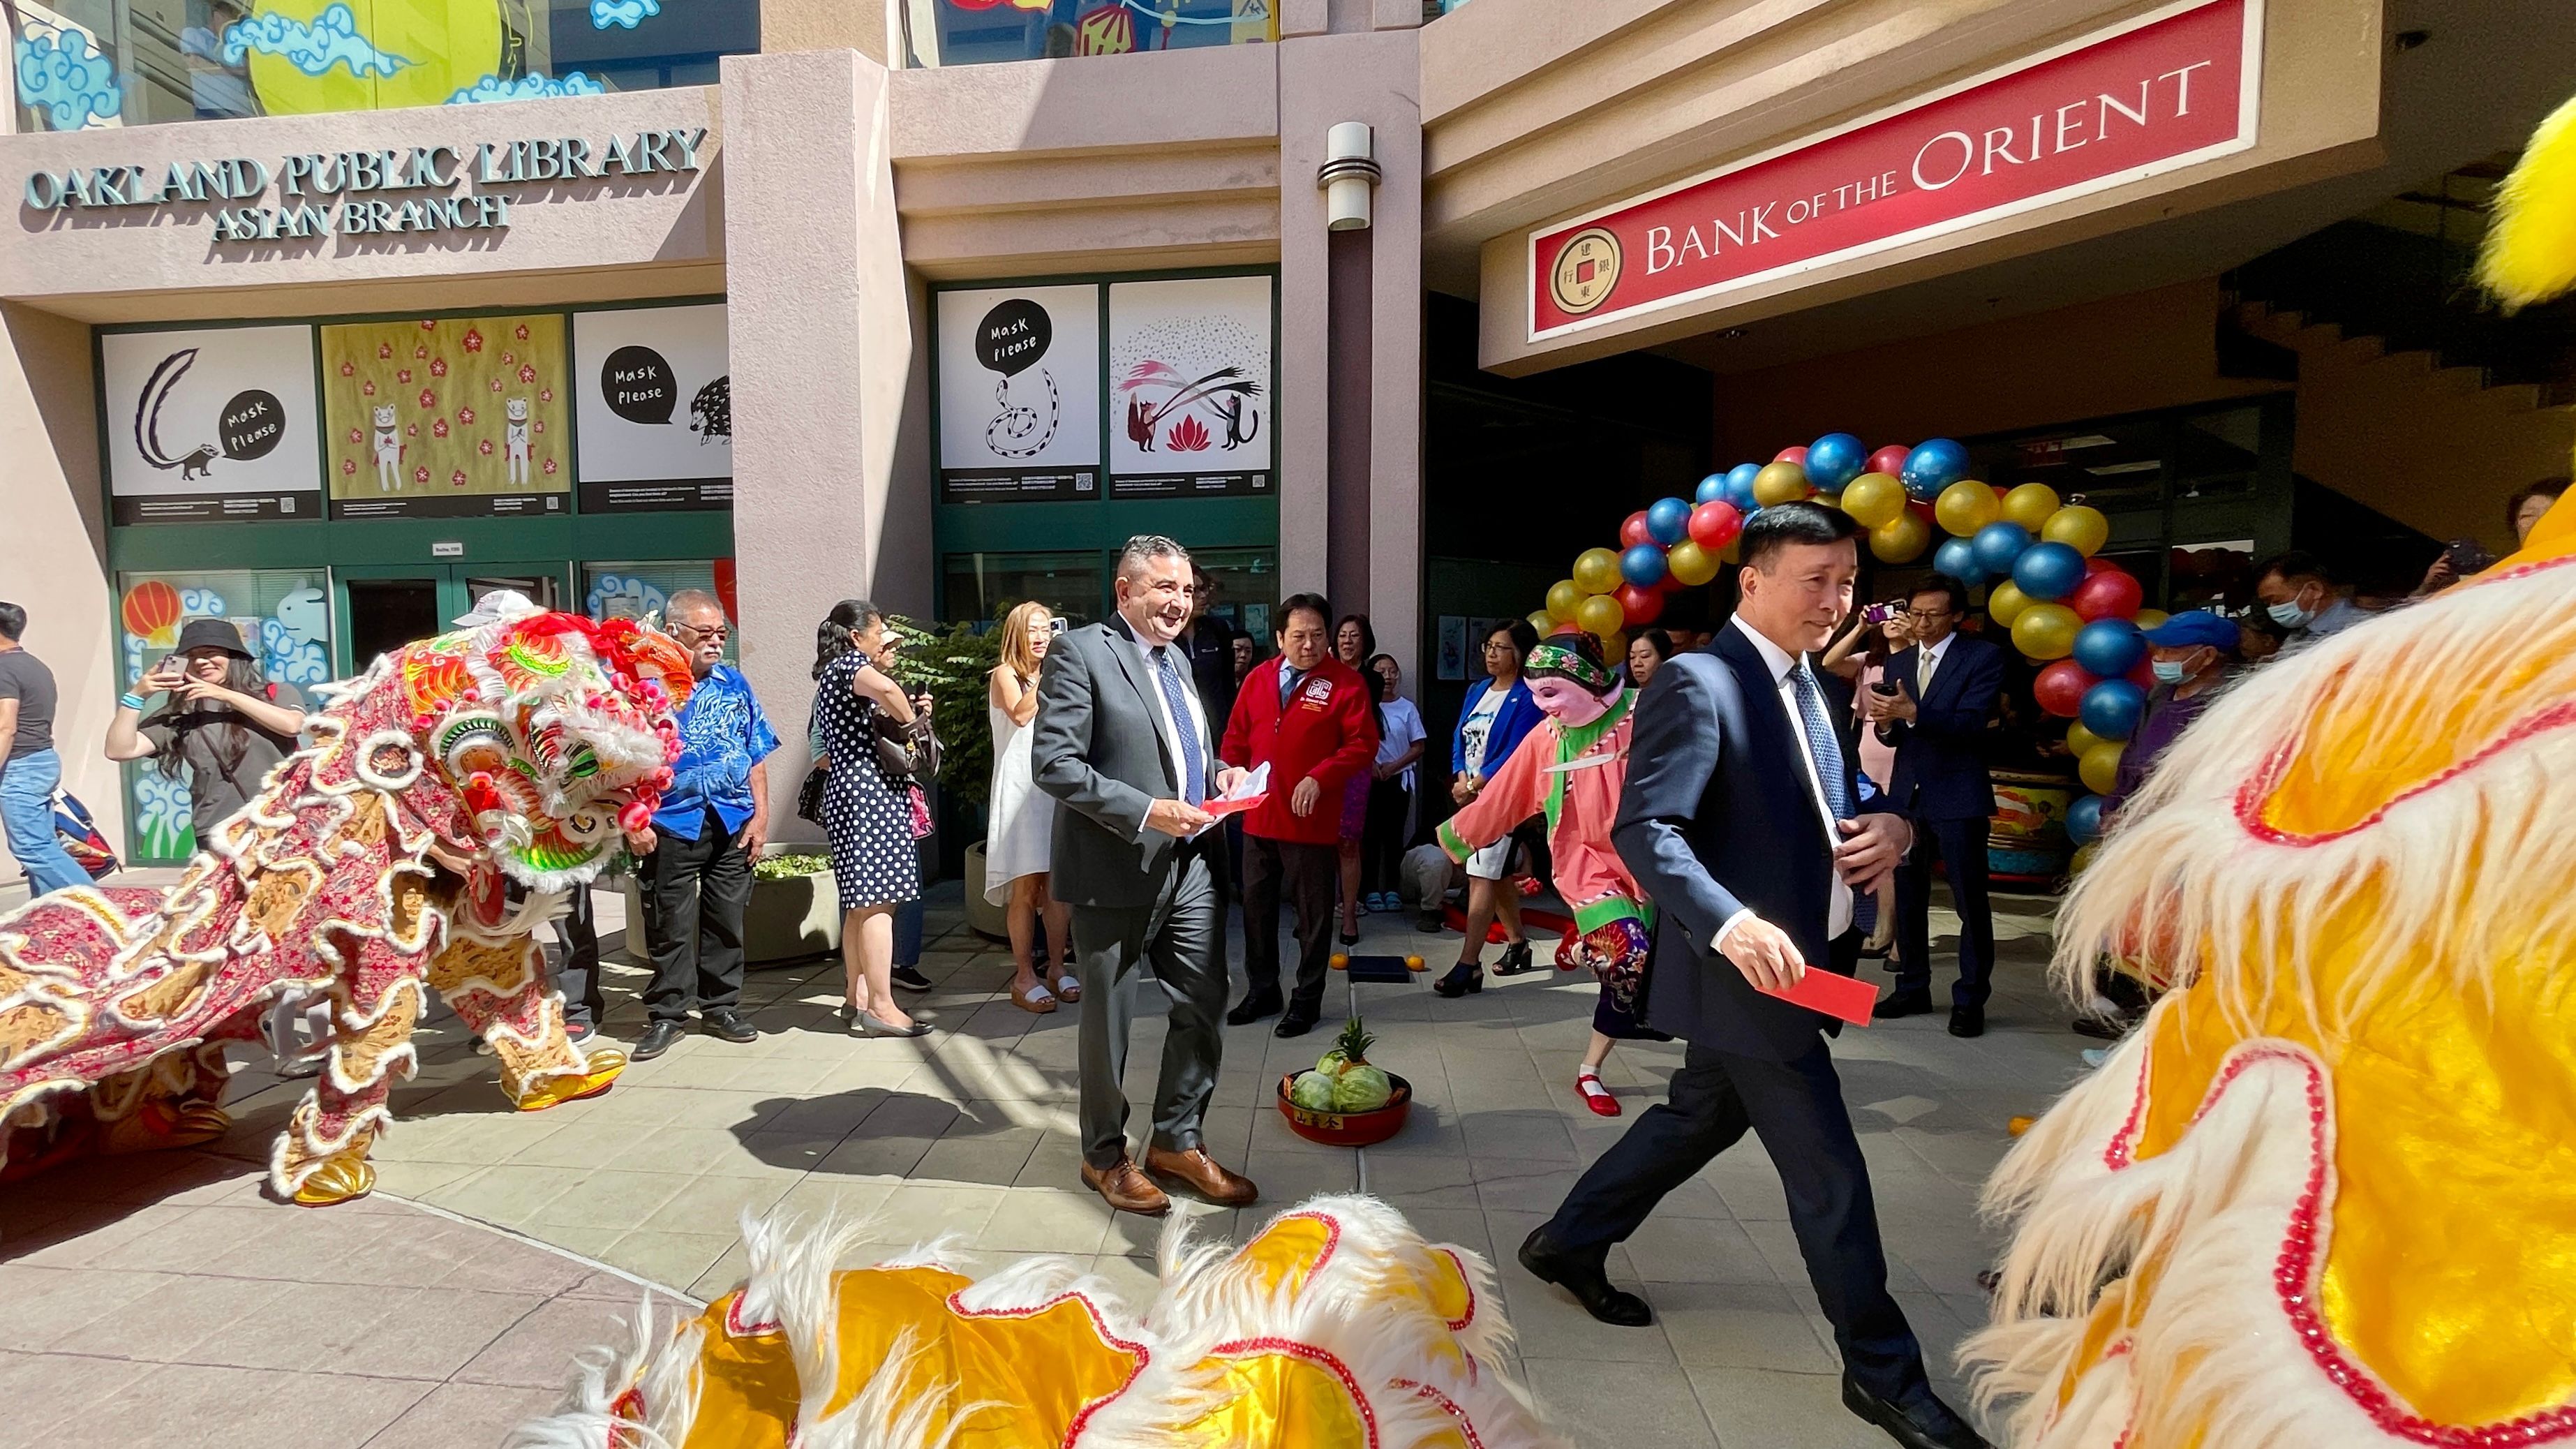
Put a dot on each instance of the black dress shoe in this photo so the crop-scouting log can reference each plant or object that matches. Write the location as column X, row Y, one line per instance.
column 1583, row 1278
column 1967, row 1021
column 657, row 1039
column 1901, row 1003
column 728, row 1025
column 1296, row 1021
column 1928, row 1424
column 1254, row 1007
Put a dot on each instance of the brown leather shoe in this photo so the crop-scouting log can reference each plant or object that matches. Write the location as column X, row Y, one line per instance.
column 1126, row 1189
column 1199, row 1173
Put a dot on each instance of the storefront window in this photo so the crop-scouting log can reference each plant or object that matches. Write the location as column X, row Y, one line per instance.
column 285, row 619
column 638, row 590
column 984, row 586
column 1246, row 582
column 94, row 63
column 972, row 32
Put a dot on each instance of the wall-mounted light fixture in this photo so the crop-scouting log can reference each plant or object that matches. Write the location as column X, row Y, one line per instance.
column 1349, row 173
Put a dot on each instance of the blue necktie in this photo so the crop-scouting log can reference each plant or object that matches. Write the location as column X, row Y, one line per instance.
column 1193, row 781
column 1831, row 773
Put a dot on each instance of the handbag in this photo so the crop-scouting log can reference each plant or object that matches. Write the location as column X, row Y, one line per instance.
column 907, row 751
column 809, row 796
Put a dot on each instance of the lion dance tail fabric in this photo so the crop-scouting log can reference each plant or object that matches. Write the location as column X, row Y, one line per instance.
column 2325, row 1198
column 1335, row 1327
column 517, row 750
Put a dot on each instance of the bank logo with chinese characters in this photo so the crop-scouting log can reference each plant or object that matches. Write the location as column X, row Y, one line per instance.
column 1585, row 272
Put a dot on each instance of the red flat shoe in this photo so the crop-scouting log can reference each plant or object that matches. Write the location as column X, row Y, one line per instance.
column 1596, row 1096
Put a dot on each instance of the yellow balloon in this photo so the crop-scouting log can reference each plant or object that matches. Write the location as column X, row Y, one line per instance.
column 1596, row 571
column 2005, row 601
column 2077, row 526
column 1543, row 621
column 1871, row 499
column 1562, row 596
column 1901, row 539
column 1600, row 615
column 2045, row 631
column 1965, row 506
column 2080, row 741
column 2100, row 767
column 1690, row 563
column 1779, row 483
column 2030, row 505
column 2150, row 618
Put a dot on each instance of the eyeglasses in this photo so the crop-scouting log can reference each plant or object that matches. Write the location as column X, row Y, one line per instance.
column 1933, row 617
column 1503, row 644
column 697, row 631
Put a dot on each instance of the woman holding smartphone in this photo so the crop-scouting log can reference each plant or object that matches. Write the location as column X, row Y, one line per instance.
column 221, row 723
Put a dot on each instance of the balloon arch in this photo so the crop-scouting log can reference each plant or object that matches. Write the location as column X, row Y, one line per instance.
column 2074, row 615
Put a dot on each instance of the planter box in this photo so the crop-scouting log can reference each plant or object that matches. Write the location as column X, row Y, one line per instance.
column 796, row 919
column 982, row 917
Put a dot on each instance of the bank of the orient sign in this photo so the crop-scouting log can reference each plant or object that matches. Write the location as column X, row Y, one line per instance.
column 2169, row 89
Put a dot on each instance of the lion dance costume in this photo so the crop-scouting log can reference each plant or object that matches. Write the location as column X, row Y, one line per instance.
column 2325, row 1197
column 1335, row 1327
column 517, row 750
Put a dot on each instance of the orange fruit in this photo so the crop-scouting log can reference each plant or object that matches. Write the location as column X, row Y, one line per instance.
column 1414, row 963
column 2019, row 1125
column 1340, row 962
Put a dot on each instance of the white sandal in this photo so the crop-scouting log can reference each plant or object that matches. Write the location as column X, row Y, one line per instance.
column 1038, row 1002
column 1067, row 989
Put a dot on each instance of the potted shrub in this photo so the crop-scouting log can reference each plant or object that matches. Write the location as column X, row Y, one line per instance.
column 794, row 913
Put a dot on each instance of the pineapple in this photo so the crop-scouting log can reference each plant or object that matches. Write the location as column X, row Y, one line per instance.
column 1350, row 1049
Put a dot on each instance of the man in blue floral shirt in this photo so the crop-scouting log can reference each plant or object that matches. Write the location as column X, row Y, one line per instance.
column 697, row 877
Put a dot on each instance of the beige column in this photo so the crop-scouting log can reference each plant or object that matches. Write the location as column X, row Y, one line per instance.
column 57, row 550
column 1372, row 77
column 822, row 337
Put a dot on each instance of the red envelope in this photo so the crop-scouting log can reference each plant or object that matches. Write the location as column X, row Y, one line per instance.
column 1221, row 807
column 1832, row 994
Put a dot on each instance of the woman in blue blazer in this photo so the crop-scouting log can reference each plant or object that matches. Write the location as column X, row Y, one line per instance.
column 1498, row 714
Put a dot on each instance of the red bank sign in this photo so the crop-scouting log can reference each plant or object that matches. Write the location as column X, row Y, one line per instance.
column 2169, row 89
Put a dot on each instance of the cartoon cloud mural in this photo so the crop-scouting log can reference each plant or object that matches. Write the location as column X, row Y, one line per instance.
column 526, row 88
column 623, row 13
column 64, row 77
column 311, row 56
column 330, row 39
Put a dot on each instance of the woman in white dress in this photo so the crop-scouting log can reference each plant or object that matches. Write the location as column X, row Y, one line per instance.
column 1020, row 829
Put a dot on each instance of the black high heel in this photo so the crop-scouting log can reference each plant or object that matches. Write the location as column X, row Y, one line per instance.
column 1464, row 978
column 1516, row 959
column 1350, row 938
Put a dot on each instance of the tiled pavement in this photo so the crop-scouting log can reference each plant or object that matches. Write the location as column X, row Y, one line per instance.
column 164, row 1301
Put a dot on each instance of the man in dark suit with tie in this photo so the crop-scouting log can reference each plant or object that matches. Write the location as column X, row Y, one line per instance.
column 1742, row 818
column 1947, row 685
column 1124, row 744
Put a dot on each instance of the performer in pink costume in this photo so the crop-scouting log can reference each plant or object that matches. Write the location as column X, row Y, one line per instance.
column 1572, row 771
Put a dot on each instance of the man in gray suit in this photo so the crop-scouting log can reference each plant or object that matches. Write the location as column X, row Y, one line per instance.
column 1124, row 745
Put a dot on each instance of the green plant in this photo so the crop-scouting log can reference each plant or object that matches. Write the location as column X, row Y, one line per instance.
column 789, row 867
column 951, row 663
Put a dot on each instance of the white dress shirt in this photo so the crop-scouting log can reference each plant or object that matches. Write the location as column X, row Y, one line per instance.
column 1163, row 706
column 1838, row 910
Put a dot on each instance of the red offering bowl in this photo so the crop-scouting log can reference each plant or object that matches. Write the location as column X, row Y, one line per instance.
column 1348, row 1129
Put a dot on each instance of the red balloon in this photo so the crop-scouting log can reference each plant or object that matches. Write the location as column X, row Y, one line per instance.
column 1634, row 531
column 2143, row 673
column 2097, row 564
column 2061, row 687
column 2110, row 594
column 1714, row 525
column 1922, row 509
column 1890, row 460
column 1640, row 605
column 1670, row 585
column 1567, row 628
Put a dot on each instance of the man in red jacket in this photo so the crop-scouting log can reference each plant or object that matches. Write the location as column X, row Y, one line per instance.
column 1311, row 719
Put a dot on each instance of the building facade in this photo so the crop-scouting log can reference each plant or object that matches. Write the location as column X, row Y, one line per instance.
column 328, row 318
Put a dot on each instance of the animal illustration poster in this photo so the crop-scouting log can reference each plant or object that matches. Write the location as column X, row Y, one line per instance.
column 1190, row 388
column 1019, row 394
column 447, row 417
column 210, row 423
column 656, row 409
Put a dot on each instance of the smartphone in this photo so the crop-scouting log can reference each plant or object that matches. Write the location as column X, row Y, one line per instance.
column 1877, row 614
column 2467, row 557
column 1055, row 623
column 1885, row 687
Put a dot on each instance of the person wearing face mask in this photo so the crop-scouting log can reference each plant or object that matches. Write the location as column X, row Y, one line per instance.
column 2302, row 597
column 2193, row 653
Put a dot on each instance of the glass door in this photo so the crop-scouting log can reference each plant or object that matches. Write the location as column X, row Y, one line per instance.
column 382, row 607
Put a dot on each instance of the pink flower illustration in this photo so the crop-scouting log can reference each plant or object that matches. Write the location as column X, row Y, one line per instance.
column 438, row 429
column 411, row 430
column 523, row 332
column 384, row 349
column 457, row 478
column 545, row 394
column 348, row 369
column 420, row 349
column 355, row 436
column 420, row 474
column 348, row 465
column 428, row 324
column 438, row 367
column 369, row 388
column 508, row 358
column 465, row 416
column 541, row 425
column 403, row 375
column 527, row 373
column 473, row 340
column 496, row 384
column 550, row 467
column 485, row 447
column 428, row 399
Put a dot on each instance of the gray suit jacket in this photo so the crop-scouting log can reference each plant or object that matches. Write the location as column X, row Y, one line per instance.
column 1097, row 747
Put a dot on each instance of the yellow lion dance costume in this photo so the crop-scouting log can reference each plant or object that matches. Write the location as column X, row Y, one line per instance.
column 2325, row 1197
column 1335, row 1327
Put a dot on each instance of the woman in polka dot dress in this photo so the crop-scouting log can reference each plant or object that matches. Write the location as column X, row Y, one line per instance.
column 866, row 811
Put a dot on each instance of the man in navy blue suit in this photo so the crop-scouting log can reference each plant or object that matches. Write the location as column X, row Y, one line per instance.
column 1744, row 820
column 1947, row 685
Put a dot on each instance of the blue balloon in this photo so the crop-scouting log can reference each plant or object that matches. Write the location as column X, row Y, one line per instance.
column 1739, row 486
column 1711, row 489
column 2084, row 820
column 1668, row 520
column 1998, row 544
column 1957, row 557
column 2048, row 570
column 1934, row 464
column 2109, row 647
column 2110, row 709
column 1834, row 460
column 1642, row 566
